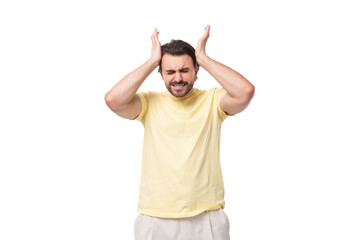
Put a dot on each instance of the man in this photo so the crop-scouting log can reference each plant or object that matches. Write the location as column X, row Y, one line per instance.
column 181, row 187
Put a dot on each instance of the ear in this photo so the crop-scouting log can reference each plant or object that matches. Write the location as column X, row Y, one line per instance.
column 196, row 70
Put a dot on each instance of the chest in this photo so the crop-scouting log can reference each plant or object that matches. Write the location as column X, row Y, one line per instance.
column 180, row 120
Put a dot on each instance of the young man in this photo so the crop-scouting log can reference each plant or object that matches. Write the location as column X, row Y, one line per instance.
column 181, row 186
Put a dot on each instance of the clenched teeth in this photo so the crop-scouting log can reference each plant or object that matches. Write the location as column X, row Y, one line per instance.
column 179, row 85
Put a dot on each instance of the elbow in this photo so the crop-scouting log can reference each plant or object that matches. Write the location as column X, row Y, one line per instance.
column 110, row 101
column 107, row 98
column 250, row 90
column 115, row 103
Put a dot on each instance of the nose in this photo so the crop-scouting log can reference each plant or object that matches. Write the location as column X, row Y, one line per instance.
column 178, row 76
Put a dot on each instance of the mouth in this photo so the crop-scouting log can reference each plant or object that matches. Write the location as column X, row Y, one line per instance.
column 178, row 86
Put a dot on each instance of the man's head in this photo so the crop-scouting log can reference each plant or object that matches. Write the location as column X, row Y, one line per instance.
column 178, row 67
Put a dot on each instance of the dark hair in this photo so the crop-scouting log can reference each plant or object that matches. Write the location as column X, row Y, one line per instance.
column 177, row 48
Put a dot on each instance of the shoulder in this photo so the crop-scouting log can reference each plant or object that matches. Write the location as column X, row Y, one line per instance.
column 214, row 92
column 210, row 94
column 150, row 94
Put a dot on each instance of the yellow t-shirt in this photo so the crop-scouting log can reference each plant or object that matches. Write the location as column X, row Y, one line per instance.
column 181, row 174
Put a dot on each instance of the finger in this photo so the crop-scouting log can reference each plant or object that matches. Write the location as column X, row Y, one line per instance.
column 157, row 38
column 207, row 32
column 205, row 36
column 154, row 36
column 155, row 32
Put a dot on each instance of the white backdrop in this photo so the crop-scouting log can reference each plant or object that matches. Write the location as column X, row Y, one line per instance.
column 70, row 168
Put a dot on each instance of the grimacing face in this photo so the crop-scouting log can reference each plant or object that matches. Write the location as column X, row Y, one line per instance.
column 178, row 73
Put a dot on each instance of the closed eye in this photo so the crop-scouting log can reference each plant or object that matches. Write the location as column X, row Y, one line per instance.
column 183, row 70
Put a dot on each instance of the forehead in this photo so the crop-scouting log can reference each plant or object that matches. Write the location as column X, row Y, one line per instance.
column 169, row 61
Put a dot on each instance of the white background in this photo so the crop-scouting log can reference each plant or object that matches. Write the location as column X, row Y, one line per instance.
column 70, row 168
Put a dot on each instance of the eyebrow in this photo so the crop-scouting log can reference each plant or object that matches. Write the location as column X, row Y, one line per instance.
column 182, row 69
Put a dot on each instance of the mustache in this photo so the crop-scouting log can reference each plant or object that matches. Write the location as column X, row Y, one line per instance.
column 181, row 82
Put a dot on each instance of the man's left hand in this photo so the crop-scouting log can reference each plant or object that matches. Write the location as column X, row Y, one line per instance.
column 200, row 48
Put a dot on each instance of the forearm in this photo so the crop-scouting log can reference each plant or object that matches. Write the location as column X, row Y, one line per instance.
column 123, row 92
column 235, row 84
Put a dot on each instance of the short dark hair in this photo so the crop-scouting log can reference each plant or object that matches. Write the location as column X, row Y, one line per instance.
column 177, row 48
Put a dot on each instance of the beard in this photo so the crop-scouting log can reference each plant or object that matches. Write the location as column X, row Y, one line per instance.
column 180, row 92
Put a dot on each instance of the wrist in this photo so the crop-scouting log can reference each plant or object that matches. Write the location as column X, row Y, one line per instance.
column 202, row 60
column 153, row 62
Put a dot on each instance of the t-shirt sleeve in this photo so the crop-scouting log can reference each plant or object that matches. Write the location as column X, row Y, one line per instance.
column 144, row 97
column 218, row 93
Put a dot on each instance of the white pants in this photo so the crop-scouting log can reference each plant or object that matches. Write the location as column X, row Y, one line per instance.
column 209, row 225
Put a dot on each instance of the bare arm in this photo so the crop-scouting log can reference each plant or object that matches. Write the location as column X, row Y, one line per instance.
column 122, row 98
column 239, row 91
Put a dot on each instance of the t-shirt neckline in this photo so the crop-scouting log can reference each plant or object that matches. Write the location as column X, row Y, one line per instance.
column 184, row 97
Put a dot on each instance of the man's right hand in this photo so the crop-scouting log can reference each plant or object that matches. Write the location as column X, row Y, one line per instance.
column 156, row 47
